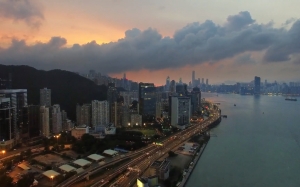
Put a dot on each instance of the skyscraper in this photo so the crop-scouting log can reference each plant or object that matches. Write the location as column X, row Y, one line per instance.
column 34, row 121
column 83, row 114
column 180, row 111
column 193, row 78
column 147, row 99
column 100, row 113
column 6, row 124
column 206, row 82
column 56, row 119
column 112, row 97
column 167, row 83
column 256, row 85
column 45, row 121
column 45, row 97
column 18, row 99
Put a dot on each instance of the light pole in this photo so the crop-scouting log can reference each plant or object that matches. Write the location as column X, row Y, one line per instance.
column 52, row 180
column 3, row 152
column 57, row 136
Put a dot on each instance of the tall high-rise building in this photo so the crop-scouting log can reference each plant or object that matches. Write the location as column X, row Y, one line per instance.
column 172, row 88
column 167, row 86
column 129, row 97
column 34, row 120
column 256, row 85
column 45, row 120
column 196, row 100
column 18, row 99
column 202, row 81
column 180, row 111
column 112, row 97
column 6, row 124
column 100, row 113
column 83, row 115
column 147, row 100
column 206, row 82
column 193, row 78
column 56, row 119
column 45, row 97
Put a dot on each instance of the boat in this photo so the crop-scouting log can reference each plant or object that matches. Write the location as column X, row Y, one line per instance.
column 290, row 99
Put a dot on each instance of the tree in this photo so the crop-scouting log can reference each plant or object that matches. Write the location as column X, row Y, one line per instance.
column 172, row 154
column 26, row 180
column 6, row 181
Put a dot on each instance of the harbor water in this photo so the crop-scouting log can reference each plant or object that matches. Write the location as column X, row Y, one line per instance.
column 257, row 145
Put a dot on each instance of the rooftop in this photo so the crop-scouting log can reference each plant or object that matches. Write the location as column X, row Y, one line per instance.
column 110, row 152
column 95, row 157
column 81, row 162
column 67, row 168
column 50, row 174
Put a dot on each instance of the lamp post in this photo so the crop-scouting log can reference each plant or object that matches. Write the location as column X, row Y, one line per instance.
column 57, row 136
column 3, row 152
column 52, row 180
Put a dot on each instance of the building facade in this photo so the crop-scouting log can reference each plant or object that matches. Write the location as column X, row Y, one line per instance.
column 45, row 121
column 256, row 85
column 100, row 113
column 45, row 97
column 83, row 114
column 180, row 111
column 56, row 119
column 147, row 100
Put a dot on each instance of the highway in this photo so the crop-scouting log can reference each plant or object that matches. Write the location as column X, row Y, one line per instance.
column 140, row 163
column 140, row 160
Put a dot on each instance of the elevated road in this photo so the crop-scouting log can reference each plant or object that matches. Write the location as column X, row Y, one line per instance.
column 142, row 158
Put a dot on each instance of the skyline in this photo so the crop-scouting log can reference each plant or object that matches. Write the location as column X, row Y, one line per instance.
column 222, row 41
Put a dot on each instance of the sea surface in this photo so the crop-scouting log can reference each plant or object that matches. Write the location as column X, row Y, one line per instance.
column 258, row 145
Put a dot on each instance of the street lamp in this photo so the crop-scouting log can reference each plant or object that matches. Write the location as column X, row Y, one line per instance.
column 57, row 136
column 52, row 180
column 3, row 152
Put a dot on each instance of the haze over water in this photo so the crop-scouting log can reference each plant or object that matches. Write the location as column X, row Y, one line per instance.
column 258, row 145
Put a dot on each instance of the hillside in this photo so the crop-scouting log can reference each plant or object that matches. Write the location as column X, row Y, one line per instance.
column 67, row 88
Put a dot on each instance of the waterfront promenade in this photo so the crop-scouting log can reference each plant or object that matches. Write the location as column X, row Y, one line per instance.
column 191, row 168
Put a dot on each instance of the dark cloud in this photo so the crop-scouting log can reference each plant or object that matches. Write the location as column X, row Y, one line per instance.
column 239, row 21
column 194, row 44
column 22, row 10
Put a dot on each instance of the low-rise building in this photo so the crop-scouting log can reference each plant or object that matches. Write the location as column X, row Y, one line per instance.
column 77, row 132
column 161, row 169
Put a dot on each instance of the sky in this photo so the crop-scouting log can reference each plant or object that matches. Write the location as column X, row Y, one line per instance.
column 223, row 41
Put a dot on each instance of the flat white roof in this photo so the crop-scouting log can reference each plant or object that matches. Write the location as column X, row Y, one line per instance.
column 67, row 168
column 50, row 173
column 81, row 162
column 23, row 166
column 96, row 157
column 110, row 152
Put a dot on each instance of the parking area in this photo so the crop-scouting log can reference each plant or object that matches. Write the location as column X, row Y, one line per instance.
column 188, row 148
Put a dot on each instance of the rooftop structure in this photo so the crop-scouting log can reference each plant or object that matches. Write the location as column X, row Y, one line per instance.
column 67, row 168
column 82, row 162
column 96, row 157
column 23, row 166
column 51, row 174
column 110, row 152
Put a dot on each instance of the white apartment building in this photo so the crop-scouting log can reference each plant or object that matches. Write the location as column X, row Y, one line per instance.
column 180, row 112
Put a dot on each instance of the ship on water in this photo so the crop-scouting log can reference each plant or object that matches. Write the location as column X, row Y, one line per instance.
column 290, row 99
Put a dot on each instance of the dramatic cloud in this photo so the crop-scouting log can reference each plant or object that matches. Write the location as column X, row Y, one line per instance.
column 22, row 10
column 239, row 21
column 194, row 44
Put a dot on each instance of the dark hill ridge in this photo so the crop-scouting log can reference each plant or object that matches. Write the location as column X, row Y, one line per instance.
column 67, row 88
